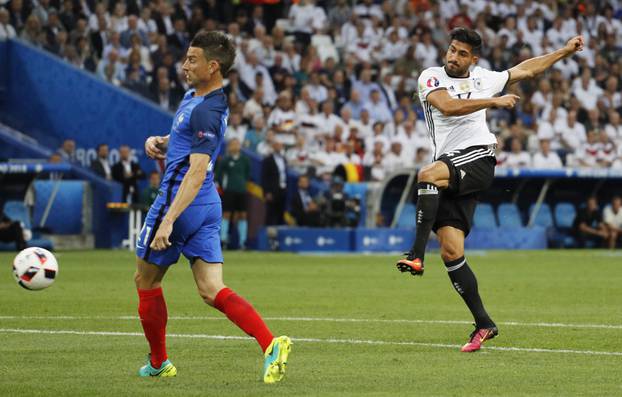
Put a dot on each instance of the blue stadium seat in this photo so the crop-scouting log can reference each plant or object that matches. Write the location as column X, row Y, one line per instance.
column 509, row 215
column 565, row 214
column 17, row 211
column 407, row 217
column 544, row 217
column 484, row 216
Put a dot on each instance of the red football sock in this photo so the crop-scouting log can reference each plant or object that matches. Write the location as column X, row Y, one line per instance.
column 242, row 314
column 153, row 317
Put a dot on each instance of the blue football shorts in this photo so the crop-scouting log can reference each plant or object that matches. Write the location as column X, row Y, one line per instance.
column 196, row 234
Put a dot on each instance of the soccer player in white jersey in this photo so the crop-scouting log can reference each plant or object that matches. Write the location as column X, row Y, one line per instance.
column 455, row 98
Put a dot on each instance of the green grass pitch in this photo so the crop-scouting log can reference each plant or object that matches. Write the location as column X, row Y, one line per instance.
column 359, row 328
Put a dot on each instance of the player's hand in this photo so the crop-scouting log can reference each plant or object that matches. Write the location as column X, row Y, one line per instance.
column 575, row 44
column 155, row 147
column 507, row 101
column 161, row 239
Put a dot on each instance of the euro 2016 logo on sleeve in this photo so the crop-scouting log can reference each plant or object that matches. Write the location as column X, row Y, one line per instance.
column 433, row 82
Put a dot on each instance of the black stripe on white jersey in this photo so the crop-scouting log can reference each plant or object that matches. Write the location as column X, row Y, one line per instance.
column 430, row 122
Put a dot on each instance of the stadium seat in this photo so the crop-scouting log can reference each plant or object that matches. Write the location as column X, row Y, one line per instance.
column 544, row 217
column 407, row 217
column 17, row 211
column 484, row 216
column 565, row 214
column 509, row 215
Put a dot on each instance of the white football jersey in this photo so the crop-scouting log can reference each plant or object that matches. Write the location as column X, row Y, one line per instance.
column 449, row 133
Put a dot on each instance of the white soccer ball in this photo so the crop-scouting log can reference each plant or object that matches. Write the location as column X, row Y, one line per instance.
column 35, row 268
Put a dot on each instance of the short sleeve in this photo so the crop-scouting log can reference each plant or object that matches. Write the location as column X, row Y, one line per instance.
column 429, row 81
column 496, row 80
column 206, row 126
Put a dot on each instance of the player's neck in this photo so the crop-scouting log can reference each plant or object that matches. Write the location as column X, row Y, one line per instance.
column 453, row 76
column 214, row 84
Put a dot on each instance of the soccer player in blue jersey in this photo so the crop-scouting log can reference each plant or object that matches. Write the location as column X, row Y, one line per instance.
column 186, row 216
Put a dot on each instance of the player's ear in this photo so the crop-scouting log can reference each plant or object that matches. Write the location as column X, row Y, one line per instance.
column 474, row 60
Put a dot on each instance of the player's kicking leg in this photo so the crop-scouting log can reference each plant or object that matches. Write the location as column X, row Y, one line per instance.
column 208, row 277
column 430, row 179
column 153, row 318
column 465, row 283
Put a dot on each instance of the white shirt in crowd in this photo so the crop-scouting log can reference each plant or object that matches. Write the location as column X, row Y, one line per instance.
column 306, row 18
column 588, row 96
column 548, row 161
column 612, row 218
column 518, row 160
column 574, row 136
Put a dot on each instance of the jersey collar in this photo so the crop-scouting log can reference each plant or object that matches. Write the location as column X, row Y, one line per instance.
column 209, row 94
column 450, row 76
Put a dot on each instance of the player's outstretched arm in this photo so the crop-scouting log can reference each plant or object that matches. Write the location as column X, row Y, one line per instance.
column 449, row 106
column 155, row 147
column 534, row 66
column 188, row 190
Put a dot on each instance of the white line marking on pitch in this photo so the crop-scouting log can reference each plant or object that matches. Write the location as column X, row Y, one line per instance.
column 311, row 340
column 324, row 319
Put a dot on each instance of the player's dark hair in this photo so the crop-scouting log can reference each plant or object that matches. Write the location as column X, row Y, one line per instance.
column 468, row 36
column 216, row 46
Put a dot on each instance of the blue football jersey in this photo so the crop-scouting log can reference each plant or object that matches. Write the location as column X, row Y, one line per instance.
column 199, row 127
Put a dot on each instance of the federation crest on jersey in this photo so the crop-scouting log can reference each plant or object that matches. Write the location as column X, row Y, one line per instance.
column 180, row 119
column 433, row 82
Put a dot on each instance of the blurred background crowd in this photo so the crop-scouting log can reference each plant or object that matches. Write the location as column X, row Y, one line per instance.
column 332, row 82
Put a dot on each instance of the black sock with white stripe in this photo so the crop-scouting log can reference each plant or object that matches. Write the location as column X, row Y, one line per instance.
column 427, row 205
column 465, row 283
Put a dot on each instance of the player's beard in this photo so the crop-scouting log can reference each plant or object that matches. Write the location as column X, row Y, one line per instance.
column 453, row 70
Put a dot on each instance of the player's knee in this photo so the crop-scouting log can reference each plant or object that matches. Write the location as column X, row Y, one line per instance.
column 143, row 282
column 208, row 295
column 451, row 252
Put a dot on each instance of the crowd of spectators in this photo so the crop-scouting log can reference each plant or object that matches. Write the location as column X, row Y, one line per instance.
column 333, row 81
